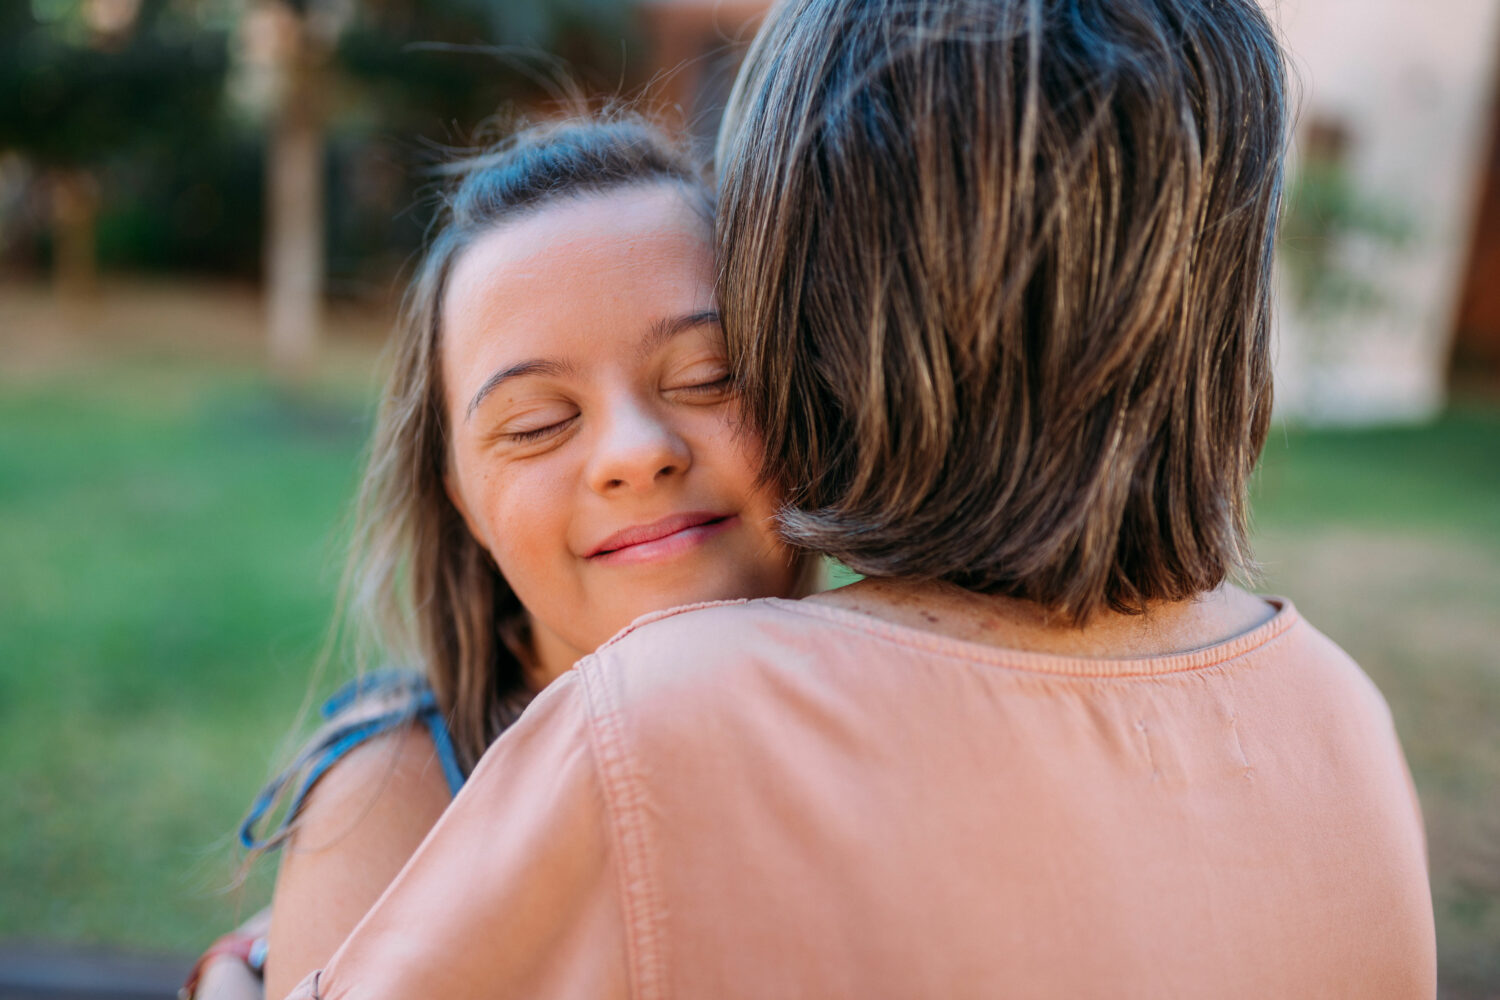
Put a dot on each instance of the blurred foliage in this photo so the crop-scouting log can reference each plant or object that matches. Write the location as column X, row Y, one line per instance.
column 155, row 107
column 1326, row 212
column 195, row 208
column 76, row 95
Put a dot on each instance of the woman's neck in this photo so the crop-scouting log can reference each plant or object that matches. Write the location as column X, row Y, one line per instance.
column 1165, row 628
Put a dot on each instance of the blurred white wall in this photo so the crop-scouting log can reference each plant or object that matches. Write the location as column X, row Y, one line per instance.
column 1412, row 86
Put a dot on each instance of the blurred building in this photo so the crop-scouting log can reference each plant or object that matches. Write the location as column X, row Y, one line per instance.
column 1391, row 245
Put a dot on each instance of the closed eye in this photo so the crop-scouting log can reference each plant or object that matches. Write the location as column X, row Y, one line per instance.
column 717, row 387
column 522, row 437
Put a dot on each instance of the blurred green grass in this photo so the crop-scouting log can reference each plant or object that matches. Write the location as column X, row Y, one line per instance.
column 170, row 537
column 1441, row 478
column 167, row 533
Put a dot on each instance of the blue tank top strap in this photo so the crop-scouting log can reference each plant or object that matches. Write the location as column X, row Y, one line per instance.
column 442, row 741
column 374, row 703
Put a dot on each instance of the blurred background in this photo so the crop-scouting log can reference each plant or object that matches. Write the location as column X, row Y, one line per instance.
column 207, row 209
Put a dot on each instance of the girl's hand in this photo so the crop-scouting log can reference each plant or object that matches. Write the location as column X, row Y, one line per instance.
column 225, row 977
column 231, row 968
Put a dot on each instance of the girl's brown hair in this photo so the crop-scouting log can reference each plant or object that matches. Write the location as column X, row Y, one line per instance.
column 420, row 589
column 995, row 276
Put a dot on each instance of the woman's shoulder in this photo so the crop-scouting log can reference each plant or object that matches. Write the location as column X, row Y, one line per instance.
column 705, row 616
column 669, row 661
column 716, row 632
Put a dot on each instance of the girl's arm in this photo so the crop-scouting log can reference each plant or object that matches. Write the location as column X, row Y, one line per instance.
column 358, row 827
column 537, row 883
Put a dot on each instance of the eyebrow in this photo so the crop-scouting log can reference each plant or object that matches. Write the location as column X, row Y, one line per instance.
column 533, row 367
column 661, row 331
column 664, row 330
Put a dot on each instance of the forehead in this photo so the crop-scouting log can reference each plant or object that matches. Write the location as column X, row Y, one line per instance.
column 638, row 229
column 573, row 273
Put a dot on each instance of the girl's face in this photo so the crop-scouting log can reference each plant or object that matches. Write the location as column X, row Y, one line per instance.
column 594, row 445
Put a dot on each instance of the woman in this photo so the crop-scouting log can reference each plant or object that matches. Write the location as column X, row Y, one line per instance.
column 995, row 277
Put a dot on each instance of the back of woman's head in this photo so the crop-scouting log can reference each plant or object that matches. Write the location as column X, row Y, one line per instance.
column 420, row 587
column 995, row 276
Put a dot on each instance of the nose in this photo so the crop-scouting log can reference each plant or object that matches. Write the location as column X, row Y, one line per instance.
column 637, row 450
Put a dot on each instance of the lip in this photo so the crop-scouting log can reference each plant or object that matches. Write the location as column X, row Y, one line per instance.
column 661, row 539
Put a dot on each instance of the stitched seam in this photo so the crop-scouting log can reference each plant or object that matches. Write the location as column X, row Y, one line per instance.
column 1206, row 660
column 640, row 897
column 656, row 616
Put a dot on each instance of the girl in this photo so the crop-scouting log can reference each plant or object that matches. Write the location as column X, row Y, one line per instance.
column 557, row 453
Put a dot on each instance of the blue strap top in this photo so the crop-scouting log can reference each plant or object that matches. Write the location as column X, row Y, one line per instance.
column 375, row 703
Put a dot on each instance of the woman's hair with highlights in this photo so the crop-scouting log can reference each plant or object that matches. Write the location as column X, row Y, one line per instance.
column 995, row 277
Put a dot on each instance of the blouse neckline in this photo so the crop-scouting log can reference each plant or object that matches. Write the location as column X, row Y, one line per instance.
column 1051, row 663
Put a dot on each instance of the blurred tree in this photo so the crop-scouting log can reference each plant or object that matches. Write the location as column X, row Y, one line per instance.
column 292, row 41
column 321, row 59
column 203, row 134
column 88, row 82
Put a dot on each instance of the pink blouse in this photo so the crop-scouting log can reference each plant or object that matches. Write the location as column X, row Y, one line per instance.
column 783, row 799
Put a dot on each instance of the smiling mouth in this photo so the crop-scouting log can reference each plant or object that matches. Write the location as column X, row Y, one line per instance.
column 661, row 540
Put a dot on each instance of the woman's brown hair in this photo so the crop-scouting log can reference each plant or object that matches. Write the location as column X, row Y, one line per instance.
column 421, row 589
column 995, row 276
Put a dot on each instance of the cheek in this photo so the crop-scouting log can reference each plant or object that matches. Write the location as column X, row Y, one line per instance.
column 733, row 438
column 738, row 453
column 521, row 517
column 747, row 453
